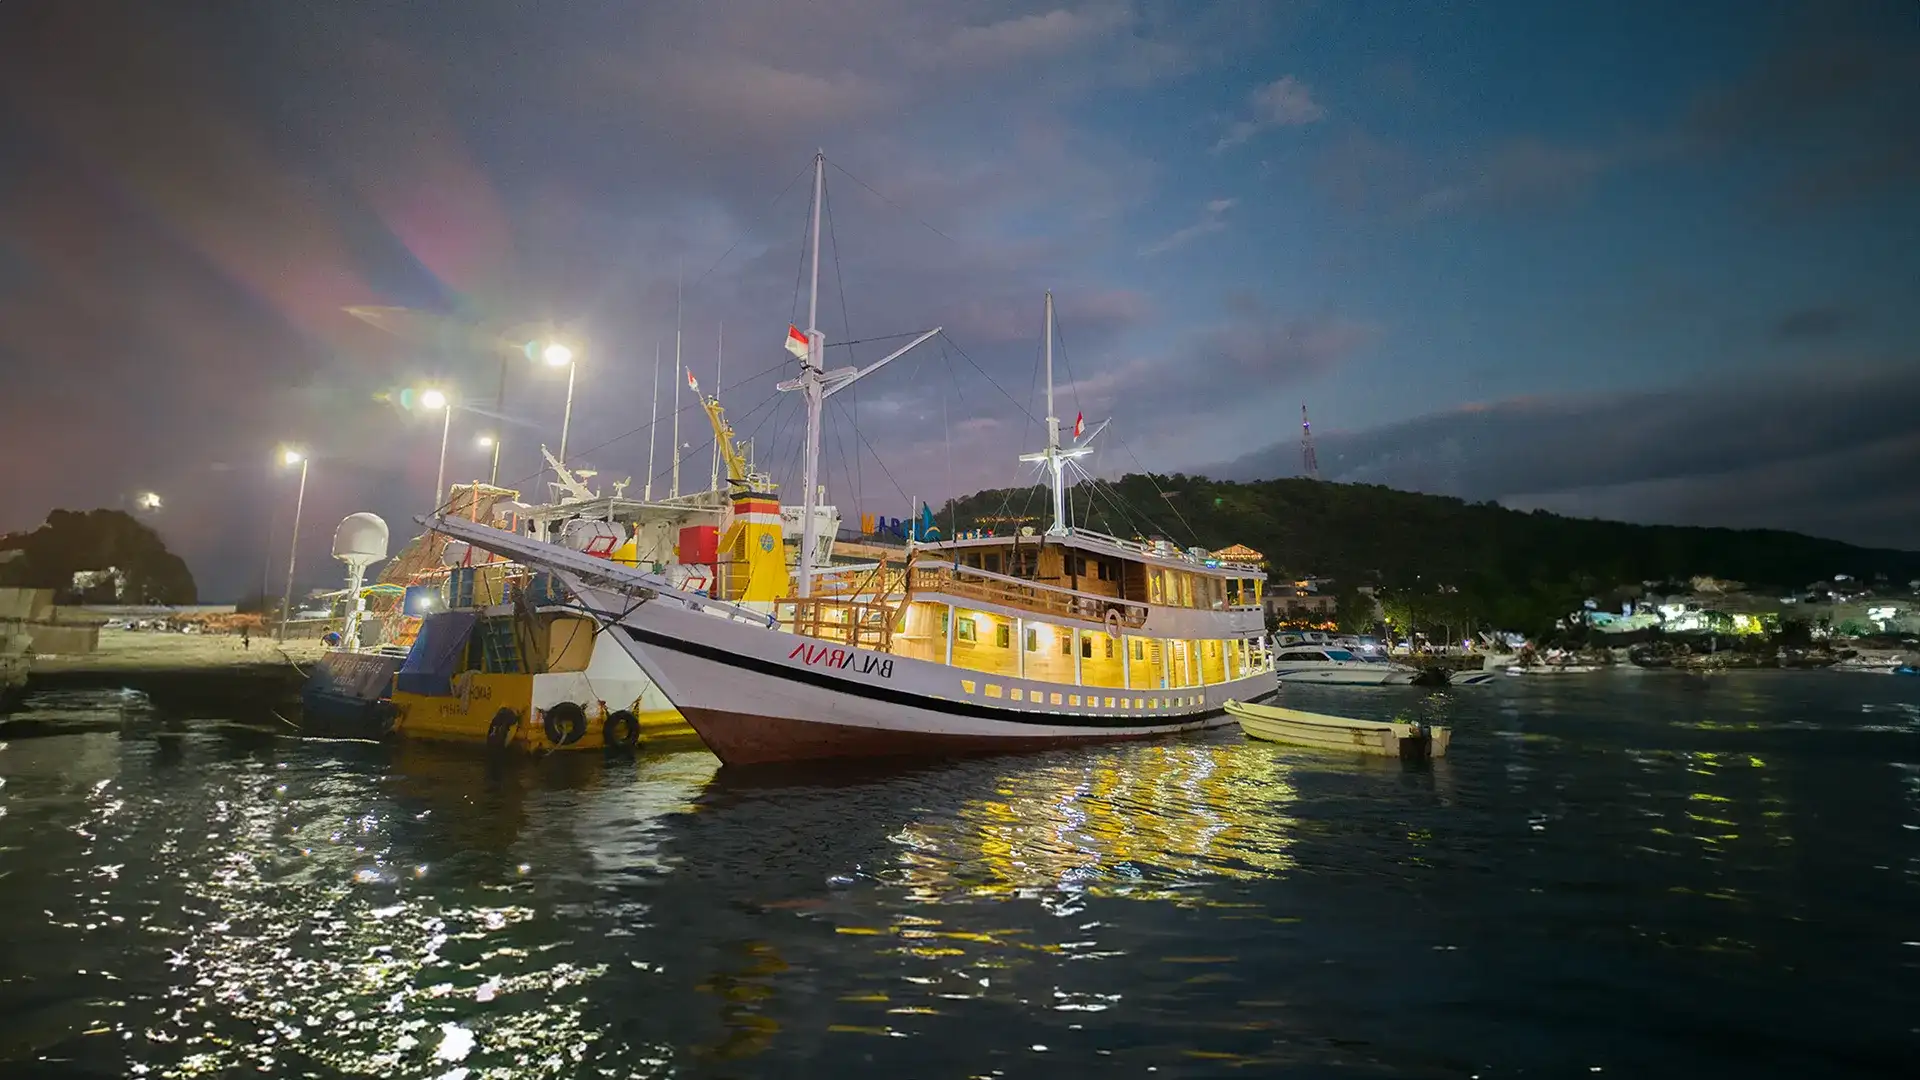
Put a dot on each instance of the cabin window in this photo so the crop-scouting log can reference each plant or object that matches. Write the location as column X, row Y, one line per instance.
column 1023, row 562
column 1156, row 586
column 1033, row 640
column 963, row 628
column 1109, row 648
column 1086, row 648
column 1003, row 636
column 1139, row 649
column 1066, row 644
column 1106, row 571
column 990, row 562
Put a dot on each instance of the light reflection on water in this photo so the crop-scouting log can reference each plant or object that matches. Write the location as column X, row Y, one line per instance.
column 1637, row 875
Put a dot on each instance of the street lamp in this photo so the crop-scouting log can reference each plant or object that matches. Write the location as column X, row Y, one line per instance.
column 557, row 354
column 290, row 457
column 492, row 442
column 147, row 500
column 437, row 399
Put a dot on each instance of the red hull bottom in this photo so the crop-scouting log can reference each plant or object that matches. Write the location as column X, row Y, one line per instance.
column 746, row 739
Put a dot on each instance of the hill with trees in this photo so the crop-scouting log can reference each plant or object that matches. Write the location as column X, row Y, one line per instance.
column 1465, row 562
column 74, row 542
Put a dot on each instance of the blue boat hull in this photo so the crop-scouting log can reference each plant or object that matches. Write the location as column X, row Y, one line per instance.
column 346, row 696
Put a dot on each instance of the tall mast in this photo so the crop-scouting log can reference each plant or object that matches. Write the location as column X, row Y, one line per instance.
column 653, row 423
column 676, row 387
column 719, row 353
column 1054, row 461
column 1054, row 458
column 818, row 385
column 810, row 385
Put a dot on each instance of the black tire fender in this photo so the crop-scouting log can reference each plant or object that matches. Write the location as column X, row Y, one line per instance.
column 621, row 729
column 565, row 723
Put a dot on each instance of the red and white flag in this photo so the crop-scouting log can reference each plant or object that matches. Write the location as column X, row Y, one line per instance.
column 693, row 384
column 1079, row 424
column 796, row 342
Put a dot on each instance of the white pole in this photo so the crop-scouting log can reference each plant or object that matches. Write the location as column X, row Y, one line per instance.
column 719, row 352
column 653, row 423
column 293, row 551
column 677, row 376
column 356, row 579
column 566, row 418
column 440, row 477
column 1054, row 461
column 819, row 191
column 810, row 385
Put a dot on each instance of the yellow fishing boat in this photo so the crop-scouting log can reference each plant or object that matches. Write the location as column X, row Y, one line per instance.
column 1382, row 738
column 529, row 680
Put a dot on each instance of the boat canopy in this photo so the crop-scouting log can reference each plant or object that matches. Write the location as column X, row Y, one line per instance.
column 435, row 653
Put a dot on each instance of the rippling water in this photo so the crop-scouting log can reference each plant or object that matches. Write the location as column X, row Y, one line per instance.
column 1632, row 874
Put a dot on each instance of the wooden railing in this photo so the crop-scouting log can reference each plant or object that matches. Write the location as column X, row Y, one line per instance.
column 851, row 622
column 1031, row 596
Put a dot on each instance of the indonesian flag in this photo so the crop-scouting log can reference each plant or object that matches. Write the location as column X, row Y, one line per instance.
column 796, row 342
column 1079, row 424
column 693, row 384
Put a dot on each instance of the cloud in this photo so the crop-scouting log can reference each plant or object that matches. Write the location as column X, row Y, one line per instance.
column 1256, row 350
column 204, row 194
column 1835, row 113
column 1023, row 38
column 1284, row 102
column 1364, row 172
column 1691, row 455
column 1212, row 219
column 1810, row 324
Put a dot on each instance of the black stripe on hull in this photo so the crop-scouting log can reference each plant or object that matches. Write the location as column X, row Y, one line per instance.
column 949, row 706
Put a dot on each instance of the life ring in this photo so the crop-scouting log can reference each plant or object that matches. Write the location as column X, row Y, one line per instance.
column 1113, row 623
column 565, row 723
column 500, row 728
column 620, row 730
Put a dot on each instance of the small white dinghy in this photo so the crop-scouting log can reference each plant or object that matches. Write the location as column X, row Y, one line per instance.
column 1553, row 669
column 1382, row 738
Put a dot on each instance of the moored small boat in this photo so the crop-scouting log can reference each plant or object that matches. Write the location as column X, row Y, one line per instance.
column 1553, row 669
column 1381, row 738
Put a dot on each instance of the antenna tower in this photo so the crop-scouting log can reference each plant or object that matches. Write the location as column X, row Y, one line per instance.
column 1308, row 460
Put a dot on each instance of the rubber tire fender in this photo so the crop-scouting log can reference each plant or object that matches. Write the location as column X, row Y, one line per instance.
column 500, row 728
column 565, row 723
column 620, row 730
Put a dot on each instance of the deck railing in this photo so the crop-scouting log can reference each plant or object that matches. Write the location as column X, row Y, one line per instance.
column 857, row 623
column 986, row 586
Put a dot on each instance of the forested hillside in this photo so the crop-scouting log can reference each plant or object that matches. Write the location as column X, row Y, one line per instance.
column 1507, row 566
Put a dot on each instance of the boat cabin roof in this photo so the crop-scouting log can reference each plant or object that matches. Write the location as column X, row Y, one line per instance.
column 1100, row 543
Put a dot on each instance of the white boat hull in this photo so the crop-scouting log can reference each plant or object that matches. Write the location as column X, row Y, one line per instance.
column 759, row 695
column 1354, row 674
column 1555, row 669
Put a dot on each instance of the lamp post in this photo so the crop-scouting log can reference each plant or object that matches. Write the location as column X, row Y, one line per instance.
column 437, row 399
column 557, row 355
column 492, row 442
column 290, row 458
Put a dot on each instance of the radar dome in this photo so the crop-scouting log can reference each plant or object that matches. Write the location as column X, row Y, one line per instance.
column 361, row 538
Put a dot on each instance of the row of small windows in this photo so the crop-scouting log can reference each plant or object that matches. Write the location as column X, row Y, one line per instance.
column 1074, row 701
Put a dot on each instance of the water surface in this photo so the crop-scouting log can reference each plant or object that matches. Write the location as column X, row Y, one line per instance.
column 1634, row 874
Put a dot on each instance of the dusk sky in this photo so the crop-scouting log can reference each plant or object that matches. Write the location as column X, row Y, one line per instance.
column 1652, row 261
